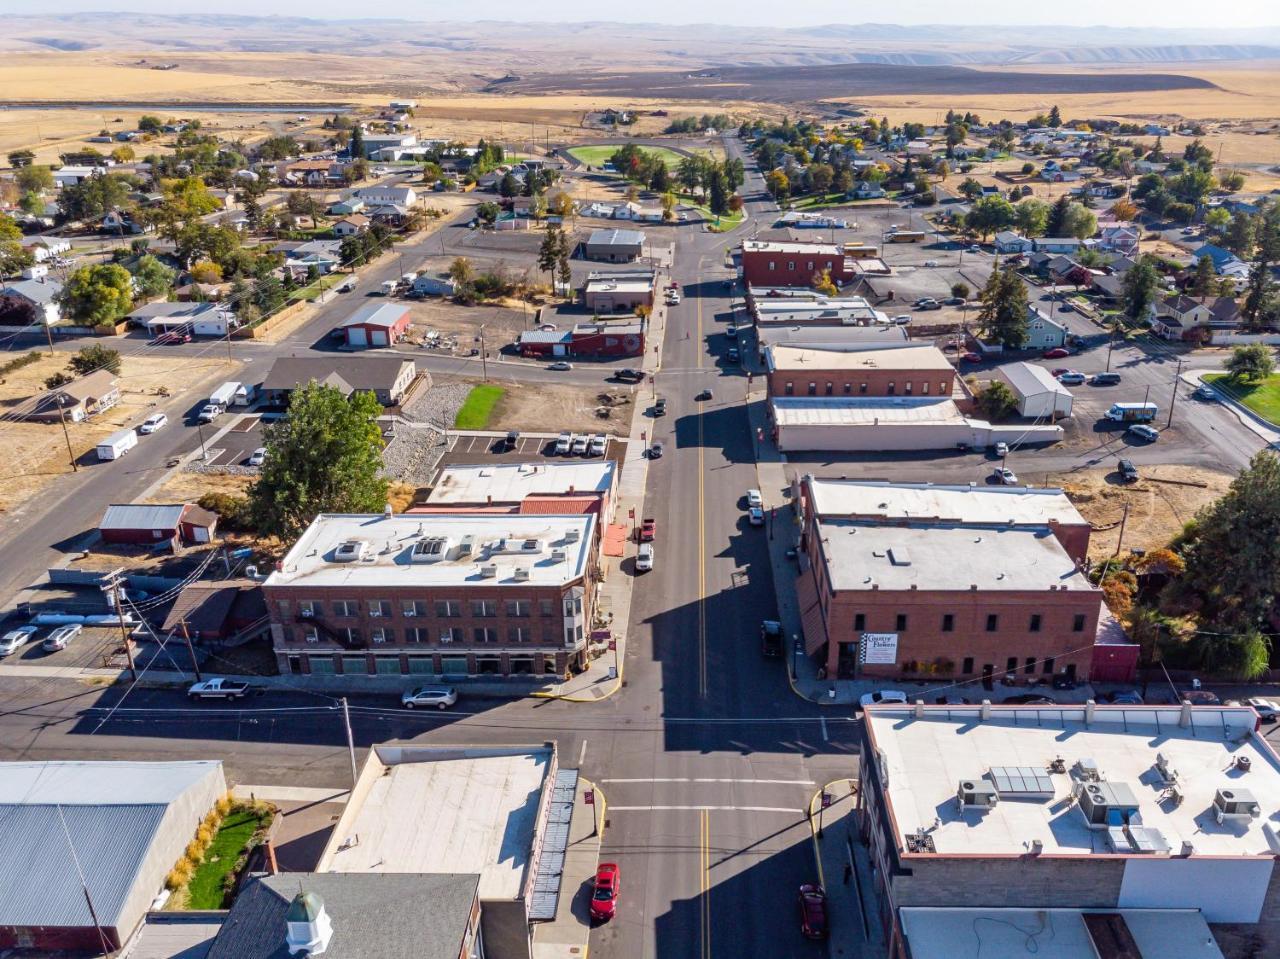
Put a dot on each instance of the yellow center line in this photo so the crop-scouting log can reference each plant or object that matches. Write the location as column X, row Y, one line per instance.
column 702, row 522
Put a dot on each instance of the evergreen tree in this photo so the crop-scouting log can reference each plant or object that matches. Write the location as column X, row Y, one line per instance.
column 1057, row 224
column 1003, row 317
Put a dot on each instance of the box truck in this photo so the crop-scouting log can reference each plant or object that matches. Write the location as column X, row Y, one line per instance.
column 1132, row 412
column 117, row 444
column 224, row 394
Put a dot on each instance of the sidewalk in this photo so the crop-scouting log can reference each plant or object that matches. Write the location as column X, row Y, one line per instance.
column 568, row 935
column 845, row 873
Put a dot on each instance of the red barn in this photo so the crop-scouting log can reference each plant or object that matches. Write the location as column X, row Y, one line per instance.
column 767, row 263
column 141, row 524
column 380, row 325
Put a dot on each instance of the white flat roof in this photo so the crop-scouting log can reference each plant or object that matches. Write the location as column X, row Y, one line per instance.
column 865, row 555
column 786, row 358
column 1031, row 380
column 776, row 246
column 924, row 761
column 511, row 483
column 866, row 411
column 618, row 284
column 454, row 810
column 941, row 933
column 505, row 542
column 962, row 504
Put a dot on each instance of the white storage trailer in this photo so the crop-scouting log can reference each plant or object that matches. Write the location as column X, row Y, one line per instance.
column 117, row 444
column 224, row 394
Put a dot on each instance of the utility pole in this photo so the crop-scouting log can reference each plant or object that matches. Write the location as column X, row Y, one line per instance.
column 1124, row 520
column 1111, row 345
column 195, row 663
column 351, row 745
column 484, row 360
column 124, row 631
column 1173, row 399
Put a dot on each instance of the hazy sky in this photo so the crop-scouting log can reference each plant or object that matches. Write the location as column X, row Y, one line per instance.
column 1241, row 14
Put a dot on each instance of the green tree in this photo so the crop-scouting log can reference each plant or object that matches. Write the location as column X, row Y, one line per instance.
column 1031, row 216
column 1240, row 235
column 21, row 158
column 461, row 271
column 971, row 188
column 508, row 186
column 95, row 357
column 961, row 290
column 13, row 255
column 324, row 457
column 990, row 215
column 719, row 198
column 1057, row 222
column 94, row 197
column 1079, row 222
column 821, row 176
column 488, row 212
column 1231, row 180
column 549, row 252
column 1003, row 317
column 1138, row 288
column 996, row 401
column 149, row 123
column 153, row 277
column 96, row 295
column 1251, row 362
column 1259, row 301
column 34, row 179
column 1204, row 282
column 1055, row 117
column 778, row 184
column 1217, row 220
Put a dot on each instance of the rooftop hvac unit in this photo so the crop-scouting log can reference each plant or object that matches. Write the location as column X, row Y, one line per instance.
column 531, row 546
column 559, row 556
column 571, row 535
column 1165, row 771
column 466, row 545
column 1087, row 770
column 1140, row 840
column 976, row 794
column 351, row 550
column 430, row 549
column 488, row 571
column 1105, row 804
column 1235, row 805
column 920, row 841
column 520, row 574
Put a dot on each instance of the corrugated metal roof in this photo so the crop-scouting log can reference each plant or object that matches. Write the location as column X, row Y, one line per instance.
column 555, row 842
column 39, row 885
column 141, row 516
column 110, row 783
column 546, row 336
column 1031, row 380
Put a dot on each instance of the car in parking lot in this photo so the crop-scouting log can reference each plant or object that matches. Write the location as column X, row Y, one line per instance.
column 731, row 332
column 258, row 457
column 579, row 445
column 754, row 498
column 210, row 413
column 15, row 639
column 1027, row 699
column 882, row 696
column 1071, row 378
column 644, row 558
column 1057, row 353
column 732, row 355
column 1127, row 697
column 1005, row 476
column 156, row 421
column 61, row 637
column 954, row 301
column 902, row 319
column 1128, row 472
column 172, row 338
column 1002, row 448
column 813, row 911
column 1104, row 379
column 1267, row 711
column 974, row 248
column 564, row 443
column 604, row 892
column 755, row 516
column 1143, row 431
column 927, row 303
column 597, row 445
column 560, row 366
column 424, row 697
column 971, row 357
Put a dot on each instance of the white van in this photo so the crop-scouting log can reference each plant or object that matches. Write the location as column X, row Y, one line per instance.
column 117, row 444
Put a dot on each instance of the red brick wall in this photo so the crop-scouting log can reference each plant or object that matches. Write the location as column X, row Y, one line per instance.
column 762, row 268
column 851, row 382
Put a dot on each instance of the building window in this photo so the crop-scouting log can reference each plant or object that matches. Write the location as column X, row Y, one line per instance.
column 519, row 607
column 924, row 387
column 448, row 608
column 546, row 607
column 859, row 621
column 486, row 634
column 789, row 389
column 772, row 265
column 414, row 607
column 967, row 666
column 948, row 622
column 791, row 264
column 908, row 389
column 902, row 622
column 350, row 634
column 283, row 606
column 1034, row 625
column 345, row 607
column 862, row 389
column 484, row 608
column 451, row 634
column 830, row 388
column 416, row 634
column 355, row 664
column 1029, row 665
column 942, row 389
column 809, row 266
column 379, row 608
column 1011, row 664
column 307, row 608
column 1048, row 666
column 1077, row 624
column 387, row 665
column 993, row 622
column 382, row 636
column 848, row 388
column 320, row 665
column 813, row 389
column 519, row 634
column 890, row 390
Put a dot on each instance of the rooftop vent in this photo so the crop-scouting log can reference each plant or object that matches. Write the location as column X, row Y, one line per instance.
column 1022, row 782
column 898, row 556
column 520, row 574
column 1235, row 805
column 351, row 550
column 466, row 545
column 430, row 549
column 488, row 571
column 976, row 794
column 1140, row 840
column 559, row 556
column 1087, row 770
column 571, row 535
column 920, row 841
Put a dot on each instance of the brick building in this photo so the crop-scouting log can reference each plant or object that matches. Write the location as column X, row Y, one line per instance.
column 772, row 263
column 922, row 581
column 905, row 371
column 1119, row 820
column 435, row 595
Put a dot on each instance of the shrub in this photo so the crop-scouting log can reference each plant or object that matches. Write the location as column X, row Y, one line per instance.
column 57, row 379
column 234, row 513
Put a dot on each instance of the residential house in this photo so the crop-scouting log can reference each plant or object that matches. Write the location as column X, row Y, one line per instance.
column 1058, row 244
column 1063, row 270
column 390, row 214
column 351, row 225
column 866, row 190
column 919, row 148
column 1108, row 286
column 323, row 255
column 404, row 196
column 387, row 377
column 347, row 207
column 1119, row 239
column 74, row 175
column 1008, row 242
column 1182, row 317
column 1044, row 332
column 194, row 317
column 376, row 324
column 145, row 524
column 1225, row 263
column 36, row 299
column 123, row 222
column 44, row 248
column 74, row 401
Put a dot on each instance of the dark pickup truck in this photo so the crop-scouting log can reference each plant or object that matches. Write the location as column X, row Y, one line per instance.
column 771, row 638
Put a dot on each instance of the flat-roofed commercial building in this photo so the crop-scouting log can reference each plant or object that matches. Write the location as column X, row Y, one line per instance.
column 452, row 595
column 527, row 488
column 618, row 291
column 908, row 371
column 773, row 263
column 1085, row 808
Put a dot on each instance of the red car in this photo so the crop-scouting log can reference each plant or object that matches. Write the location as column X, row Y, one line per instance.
column 1060, row 370
column 813, row 911
column 604, row 897
column 171, row 338
column 971, row 357
column 1057, row 353
column 648, row 529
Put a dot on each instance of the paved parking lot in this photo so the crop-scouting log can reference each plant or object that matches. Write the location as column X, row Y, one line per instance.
column 237, row 444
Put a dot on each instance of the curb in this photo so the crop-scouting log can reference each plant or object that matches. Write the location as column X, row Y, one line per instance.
column 1247, row 417
column 813, row 828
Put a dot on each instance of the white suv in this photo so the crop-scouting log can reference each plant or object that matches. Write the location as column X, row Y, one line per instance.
column 644, row 558
column 441, row 697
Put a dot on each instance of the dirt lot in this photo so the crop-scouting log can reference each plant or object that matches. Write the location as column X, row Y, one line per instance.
column 1157, row 510
column 185, row 487
column 36, row 452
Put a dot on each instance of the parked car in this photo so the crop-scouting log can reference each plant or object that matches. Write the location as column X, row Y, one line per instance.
column 706, row 394
column 172, row 338
column 580, row 444
column 598, row 444
column 1144, row 432
column 974, row 248
column 218, row 688
column 673, row 298
column 156, row 421
column 441, row 697
column 971, row 357
column 629, row 375
column 15, row 639
column 210, row 413
column 1128, row 472
column 604, row 894
column 560, row 366
column 259, row 456
column 754, row 498
column 512, row 440
column 1267, row 711
column 1199, row 697
column 1028, row 699
column 644, row 558
column 660, row 406
column 648, row 530
column 656, row 450
column 813, row 911
column 954, row 301
column 1071, row 378
column 1128, row 697
column 1002, row 448
column 1005, row 476
column 883, row 696
column 1057, row 353
column 1104, row 379
column 733, row 356
column 731, row 332
column 60, row 637
column 927, row 303
column 755, row 516
column 563, row 443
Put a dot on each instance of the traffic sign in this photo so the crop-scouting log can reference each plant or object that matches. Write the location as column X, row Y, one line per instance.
column 826, row 800
column 589, row 797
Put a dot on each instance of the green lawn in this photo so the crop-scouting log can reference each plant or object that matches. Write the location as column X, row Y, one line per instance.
column 599, row 155
column 478, row 407
column 727, row 220
column 1261, row 396
column 312, row 291
column 206, row 890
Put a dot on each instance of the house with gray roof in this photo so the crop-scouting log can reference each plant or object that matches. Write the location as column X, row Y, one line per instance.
column 387, row 377
column 614, row 246
column 37, row 298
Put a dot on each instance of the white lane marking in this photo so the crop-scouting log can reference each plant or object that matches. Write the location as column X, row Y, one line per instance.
column 772, row 782
column 825, row 737
column 789, row 810
column 582, row 754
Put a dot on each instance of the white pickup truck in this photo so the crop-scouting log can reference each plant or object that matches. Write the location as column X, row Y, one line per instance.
column 218, row 688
